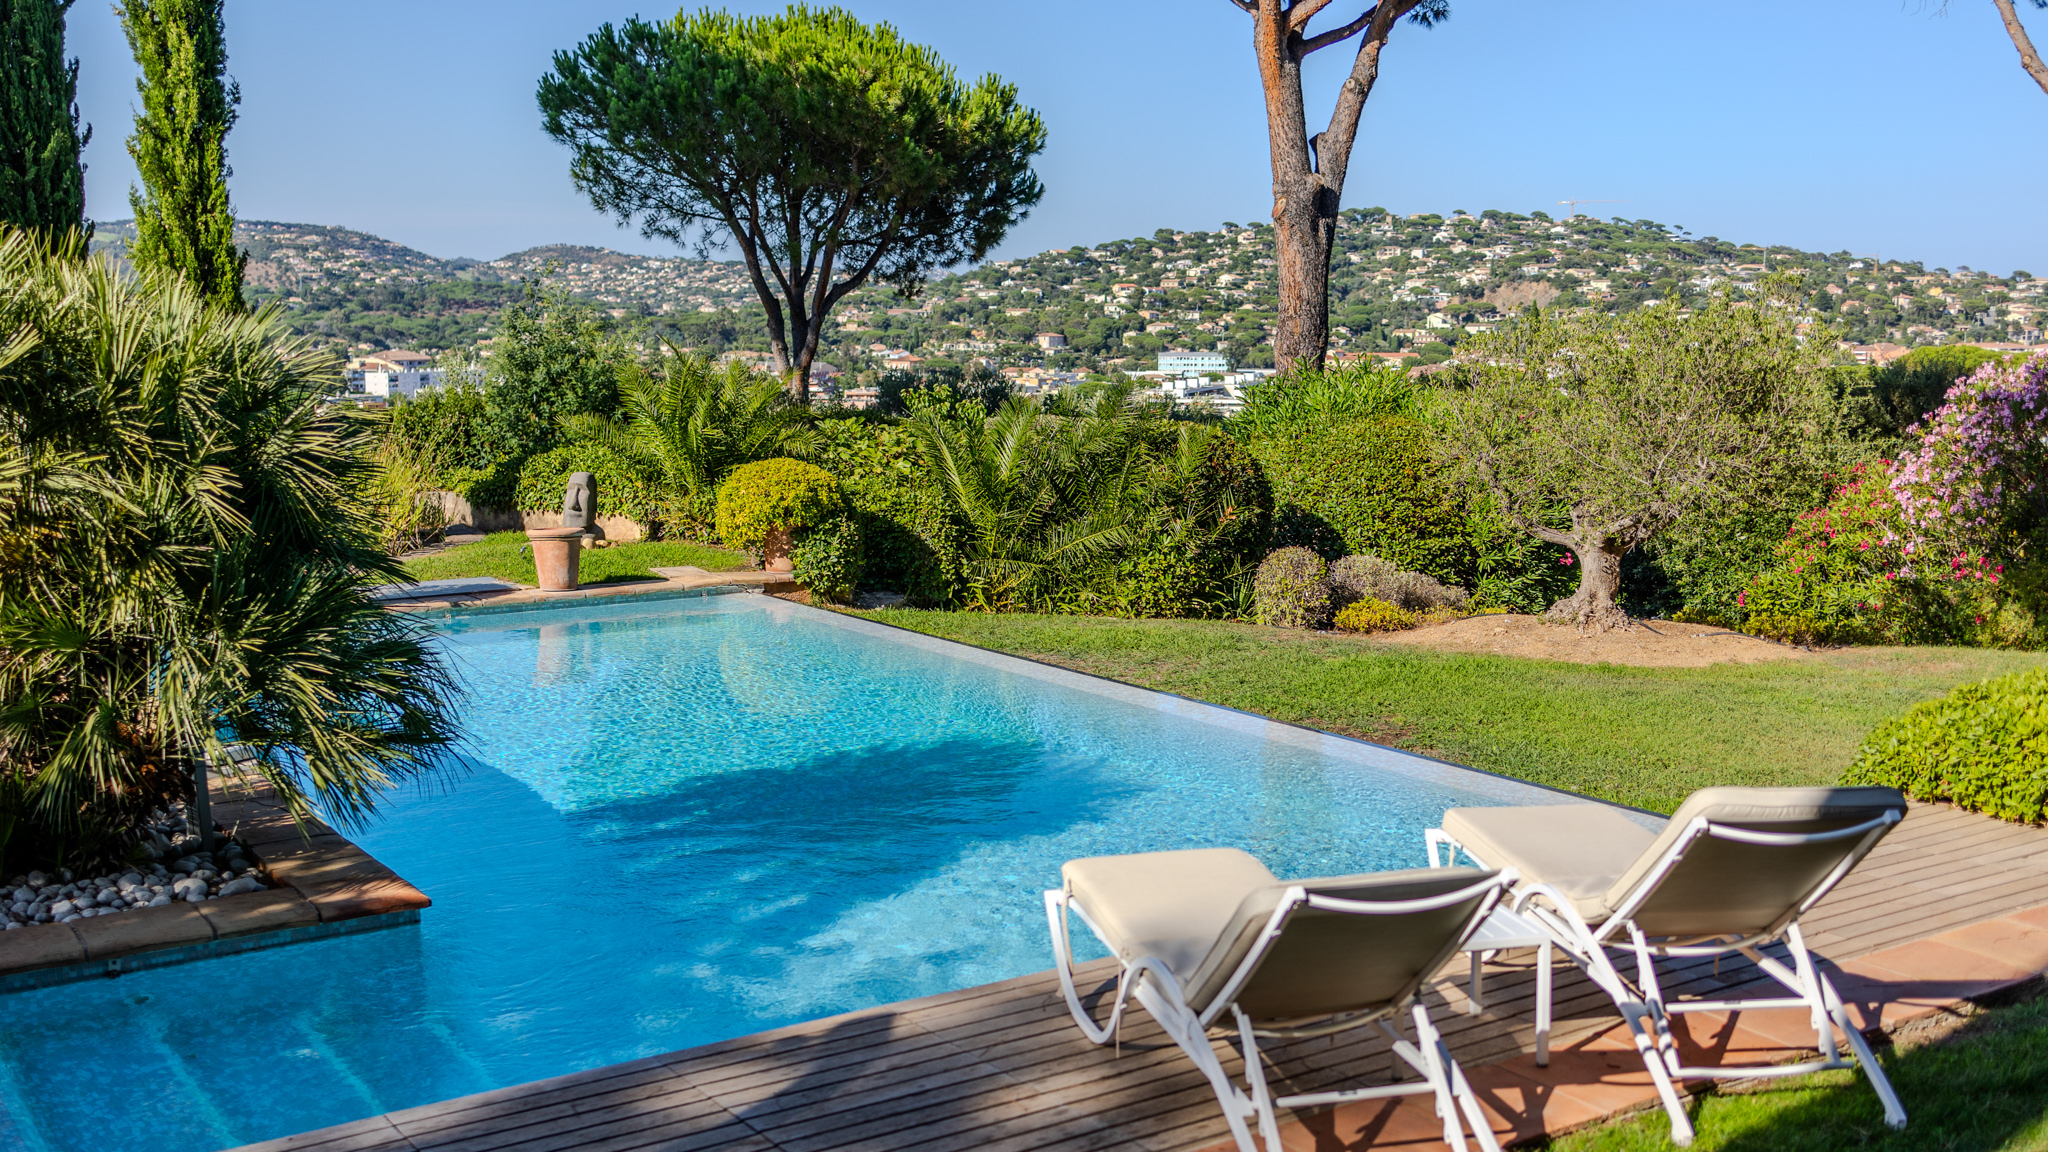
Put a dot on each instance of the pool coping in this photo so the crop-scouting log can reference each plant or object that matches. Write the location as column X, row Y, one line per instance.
column 323, row 886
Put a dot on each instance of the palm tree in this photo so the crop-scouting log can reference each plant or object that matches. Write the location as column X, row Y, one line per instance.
column 1035, row 492
column 186, row 562
column 690, row 422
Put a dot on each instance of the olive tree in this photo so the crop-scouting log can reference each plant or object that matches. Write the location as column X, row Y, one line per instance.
column 827, row 151
column 1597, row 432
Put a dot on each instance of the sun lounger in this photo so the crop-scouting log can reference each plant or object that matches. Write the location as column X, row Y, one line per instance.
column 1212, row 943
column 1733, row 871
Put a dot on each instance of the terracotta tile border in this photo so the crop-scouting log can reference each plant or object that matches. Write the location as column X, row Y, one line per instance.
column 324, row 886
column 1599, row 1078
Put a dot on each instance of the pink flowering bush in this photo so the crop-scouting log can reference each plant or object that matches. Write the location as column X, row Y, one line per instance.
column 1943, row 546
column 1977, row 479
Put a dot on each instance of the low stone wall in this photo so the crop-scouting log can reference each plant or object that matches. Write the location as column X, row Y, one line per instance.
column 323, row 886
column 455, row 509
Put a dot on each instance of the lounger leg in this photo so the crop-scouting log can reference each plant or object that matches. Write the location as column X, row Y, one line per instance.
column 1544, row 960
column 1636, row 1014
column 1653, row 999
column 1894, row 1112
column 1476, row 997
column 1437, row 1064
column 1255, row 1078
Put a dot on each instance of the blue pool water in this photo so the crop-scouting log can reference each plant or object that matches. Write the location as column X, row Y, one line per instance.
column 687, row 820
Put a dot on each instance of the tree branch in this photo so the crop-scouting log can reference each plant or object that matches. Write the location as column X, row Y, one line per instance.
column 1301, row 12
column 2029, row 59
column 1340, row 34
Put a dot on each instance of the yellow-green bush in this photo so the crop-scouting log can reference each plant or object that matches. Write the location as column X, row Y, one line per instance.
column 1373, row 615
column 758, row 498
column 1983, row 746
column 1292, row 589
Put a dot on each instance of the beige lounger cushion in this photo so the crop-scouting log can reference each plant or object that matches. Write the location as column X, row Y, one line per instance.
column 1578, row 849
column 1169, row 905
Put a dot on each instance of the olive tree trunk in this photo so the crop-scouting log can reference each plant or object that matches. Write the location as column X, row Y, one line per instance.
column 1596, row 549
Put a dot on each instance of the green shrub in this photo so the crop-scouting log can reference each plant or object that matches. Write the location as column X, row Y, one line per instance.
column 902, row 538
column 622, row 489
column 1983, row 747
column 1368, row 485
column 1373, row 615
column 1292, row 589
column 759, row 498
column 828, row 560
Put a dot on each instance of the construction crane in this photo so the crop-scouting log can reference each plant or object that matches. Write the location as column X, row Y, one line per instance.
column 1574, row 205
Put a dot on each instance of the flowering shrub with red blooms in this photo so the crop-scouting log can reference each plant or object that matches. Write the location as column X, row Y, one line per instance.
column 1835, row 575
column 1977, row 480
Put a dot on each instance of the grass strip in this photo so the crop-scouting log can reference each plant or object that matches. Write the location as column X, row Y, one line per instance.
column 1640, row 736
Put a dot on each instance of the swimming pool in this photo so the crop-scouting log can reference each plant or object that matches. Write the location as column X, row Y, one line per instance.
column 686, row 820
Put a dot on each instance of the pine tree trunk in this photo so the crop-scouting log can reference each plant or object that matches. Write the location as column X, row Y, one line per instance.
column 1305, row 221
column 1593, row 607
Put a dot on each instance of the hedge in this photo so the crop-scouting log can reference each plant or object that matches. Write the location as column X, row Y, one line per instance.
column 1368, row 485
column 1983, row 747
column 622, row 489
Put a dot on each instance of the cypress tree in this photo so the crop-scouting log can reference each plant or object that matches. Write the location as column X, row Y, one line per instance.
column 42, row 182
column 182, row 219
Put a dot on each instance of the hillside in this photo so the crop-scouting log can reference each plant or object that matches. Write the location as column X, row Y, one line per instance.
column 1418, row 282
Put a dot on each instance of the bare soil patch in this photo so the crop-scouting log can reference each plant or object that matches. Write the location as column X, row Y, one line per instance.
column 1649, row 644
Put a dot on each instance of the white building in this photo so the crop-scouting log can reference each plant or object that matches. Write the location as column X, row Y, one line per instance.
column 1192, row 363
column 406, row 384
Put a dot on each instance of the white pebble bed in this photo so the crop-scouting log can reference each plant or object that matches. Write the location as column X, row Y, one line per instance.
column 190, row 877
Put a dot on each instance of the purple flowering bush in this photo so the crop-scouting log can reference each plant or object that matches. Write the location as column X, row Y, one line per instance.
column 1943, row 546
column 1977, row 480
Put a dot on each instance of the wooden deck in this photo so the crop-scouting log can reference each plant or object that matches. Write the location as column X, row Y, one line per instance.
column 1001, row 1067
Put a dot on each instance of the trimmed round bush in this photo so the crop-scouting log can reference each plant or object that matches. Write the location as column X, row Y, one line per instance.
column 622, row 489
column 1372, row 614
column 759, row 498
column 827, row 561
column 1292, row 589
column 1366, row 576
column 1983, row 747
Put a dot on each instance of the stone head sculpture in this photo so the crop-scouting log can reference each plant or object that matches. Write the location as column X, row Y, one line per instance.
column 579, row 502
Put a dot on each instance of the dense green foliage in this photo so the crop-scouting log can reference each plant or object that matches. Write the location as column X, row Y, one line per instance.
column 818, row 145
column 689, row 423
column 42, row 181
column 1891, row 398
column 1369, row 485
column 184, row 561
column 623, row 489
column 183, row 223
column 553, row 358
column 1983, row 747
column 776, row 495
column 828, row 560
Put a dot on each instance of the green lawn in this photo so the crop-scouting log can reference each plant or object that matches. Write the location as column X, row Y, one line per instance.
column 498, row 554
column 1641, row 736
column 1984, row 1089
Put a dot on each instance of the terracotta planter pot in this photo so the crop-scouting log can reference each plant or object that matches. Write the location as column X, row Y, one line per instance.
column 775, row 551
column 556, row 553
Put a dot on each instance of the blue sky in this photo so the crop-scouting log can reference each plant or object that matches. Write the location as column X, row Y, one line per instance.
column 1864, row 125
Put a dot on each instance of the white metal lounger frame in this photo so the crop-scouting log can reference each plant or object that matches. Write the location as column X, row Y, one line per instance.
column 1152, row 984
column 1643, row 1005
